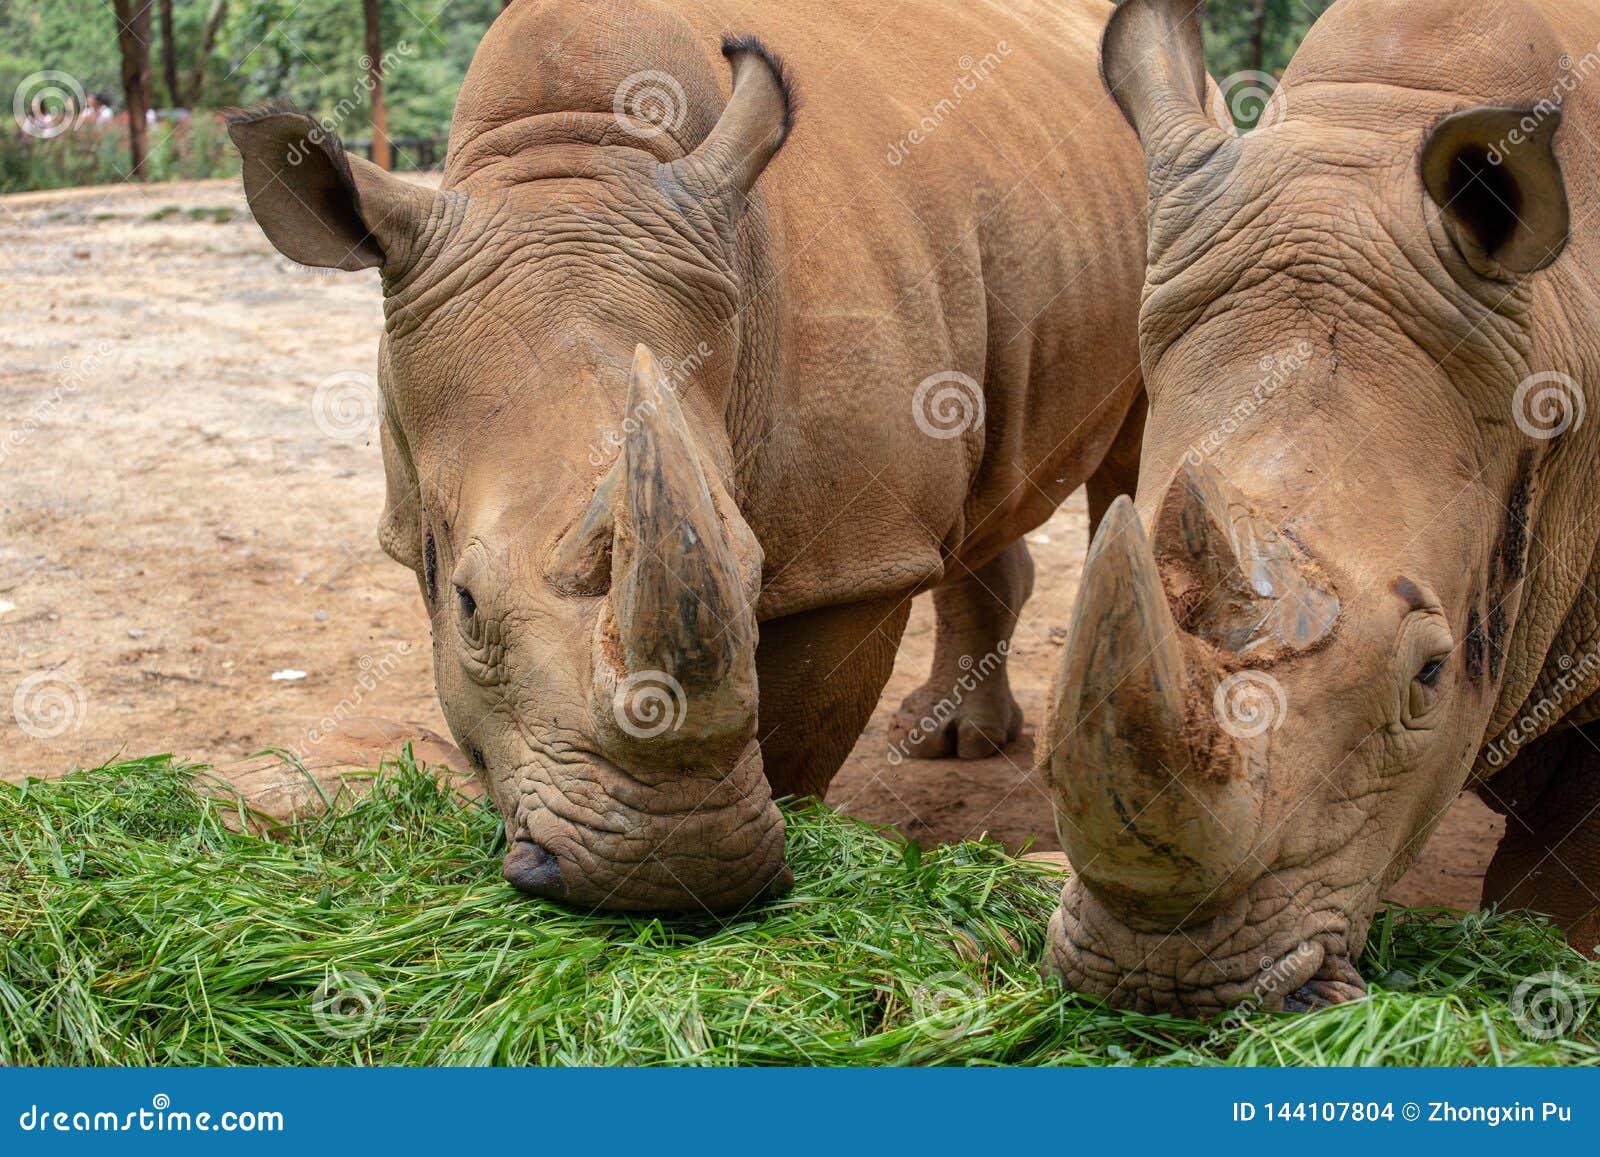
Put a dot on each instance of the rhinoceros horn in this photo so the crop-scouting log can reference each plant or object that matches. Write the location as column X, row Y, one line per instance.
column 1156, row 805
column 675, row 643
column 1245, row 585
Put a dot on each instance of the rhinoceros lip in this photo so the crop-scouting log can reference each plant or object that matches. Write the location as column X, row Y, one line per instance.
column 529, row 868
column 1099, row 955
column 625, row 855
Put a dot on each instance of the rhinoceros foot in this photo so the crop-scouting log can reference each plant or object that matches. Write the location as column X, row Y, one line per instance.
column 938, row 721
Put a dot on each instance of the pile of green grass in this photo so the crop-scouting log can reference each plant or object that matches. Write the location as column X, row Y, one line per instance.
column 137, row 928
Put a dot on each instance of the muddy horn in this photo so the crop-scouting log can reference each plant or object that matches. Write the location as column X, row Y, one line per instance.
column 1246, row 586
column 676, row 639
column 1156, row 804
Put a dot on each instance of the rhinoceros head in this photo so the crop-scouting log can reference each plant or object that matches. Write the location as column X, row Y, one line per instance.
column 561, row 342
column 1286, row 654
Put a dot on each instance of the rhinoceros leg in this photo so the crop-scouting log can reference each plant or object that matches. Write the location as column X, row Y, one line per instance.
column 820, row 674
column 966, row 708
column 1549, row 858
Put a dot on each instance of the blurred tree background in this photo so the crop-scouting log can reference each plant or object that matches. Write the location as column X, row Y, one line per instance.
column 221, row 53
column 206, row 55
column 1235, row 28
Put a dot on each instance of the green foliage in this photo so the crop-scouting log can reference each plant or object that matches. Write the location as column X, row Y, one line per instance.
column 1230, row 27
column 311, row 52
column 76, row 36
column 98, row 154
column 138, row 928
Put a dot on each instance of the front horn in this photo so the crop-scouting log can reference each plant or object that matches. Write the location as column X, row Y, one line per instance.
column 1246, row 586
column 1156, row 806
column 675, row 643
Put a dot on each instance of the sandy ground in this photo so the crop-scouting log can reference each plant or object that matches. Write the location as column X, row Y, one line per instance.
column 178, row 526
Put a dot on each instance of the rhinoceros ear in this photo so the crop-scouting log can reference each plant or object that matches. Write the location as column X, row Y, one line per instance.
column 315, row 204
column 1153, row 62
column 1494, row 175
column 751, row 130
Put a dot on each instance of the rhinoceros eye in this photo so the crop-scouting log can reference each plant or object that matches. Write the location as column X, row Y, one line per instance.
column 1423, row 695
column 483, row 647
column 469, row 605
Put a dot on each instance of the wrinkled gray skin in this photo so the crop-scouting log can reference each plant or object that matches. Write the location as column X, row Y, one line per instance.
column 1360, row 553
column 653, row 432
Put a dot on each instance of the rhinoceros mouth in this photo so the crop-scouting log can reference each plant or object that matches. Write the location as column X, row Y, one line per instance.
column 1236, row 962
column 691, row 843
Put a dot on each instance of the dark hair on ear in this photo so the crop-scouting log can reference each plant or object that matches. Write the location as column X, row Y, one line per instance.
column 733, row 45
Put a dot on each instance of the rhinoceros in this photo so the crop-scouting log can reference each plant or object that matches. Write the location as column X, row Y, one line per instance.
column 688, row 391
column 1359, row 575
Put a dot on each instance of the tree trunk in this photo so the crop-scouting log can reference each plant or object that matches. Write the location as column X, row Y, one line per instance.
column 1258, row 35
column 380, row 116
column 169, row 57
column 133, row 38
column 208, row 40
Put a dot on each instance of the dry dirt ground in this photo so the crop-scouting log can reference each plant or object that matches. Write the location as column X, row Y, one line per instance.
column 178, row 527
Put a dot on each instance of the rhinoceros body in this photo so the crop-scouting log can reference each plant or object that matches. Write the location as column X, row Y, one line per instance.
column 689, row 393
column 1360, row 574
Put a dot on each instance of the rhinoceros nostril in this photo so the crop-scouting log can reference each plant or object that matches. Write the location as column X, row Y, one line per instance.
column 529, row 868
column 778, row 887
